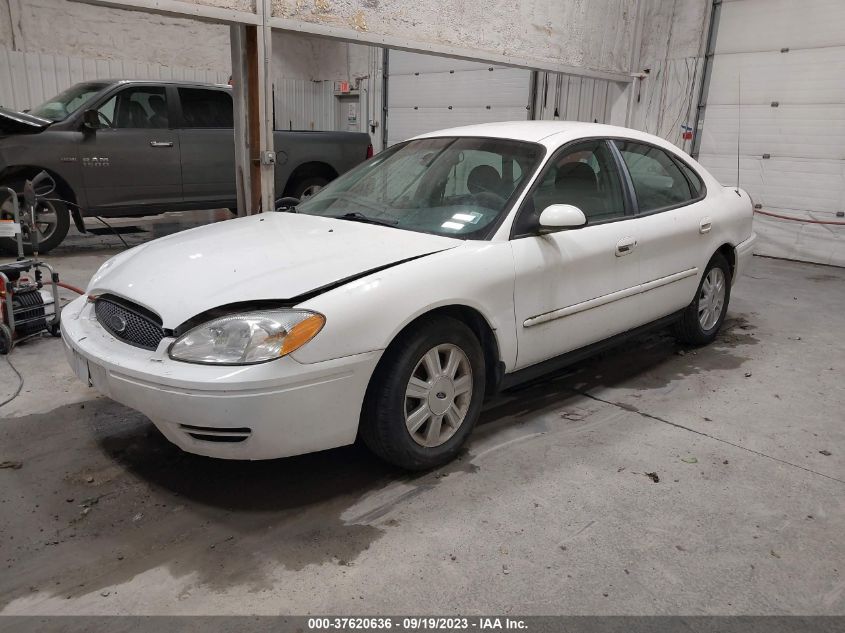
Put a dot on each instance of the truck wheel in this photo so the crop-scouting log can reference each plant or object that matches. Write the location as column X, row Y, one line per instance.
column 307, row 187
column 53, row 221
column 425, row 395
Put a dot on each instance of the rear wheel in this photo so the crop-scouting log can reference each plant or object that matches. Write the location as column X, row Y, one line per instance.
column 703, row 317
column 307, row 187
column 53, row 221
column 425, row 396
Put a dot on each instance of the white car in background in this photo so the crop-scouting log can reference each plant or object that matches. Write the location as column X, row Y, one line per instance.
column 390, row 303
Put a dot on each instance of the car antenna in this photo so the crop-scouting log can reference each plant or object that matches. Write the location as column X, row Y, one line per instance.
column 738, row 125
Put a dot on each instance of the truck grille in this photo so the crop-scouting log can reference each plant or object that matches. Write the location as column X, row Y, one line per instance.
column 129, row 322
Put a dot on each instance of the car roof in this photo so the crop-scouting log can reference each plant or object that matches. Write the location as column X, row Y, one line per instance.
column 549, row 133
column 169, row 82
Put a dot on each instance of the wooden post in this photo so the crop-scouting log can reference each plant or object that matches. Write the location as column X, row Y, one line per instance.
column 243, row 180
column 253, row 111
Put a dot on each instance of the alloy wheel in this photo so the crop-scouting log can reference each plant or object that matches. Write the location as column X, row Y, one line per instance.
column 47, row 219
column 711, row 300
column 438, row 395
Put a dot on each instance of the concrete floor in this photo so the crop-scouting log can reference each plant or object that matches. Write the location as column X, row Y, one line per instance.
column 550, row 511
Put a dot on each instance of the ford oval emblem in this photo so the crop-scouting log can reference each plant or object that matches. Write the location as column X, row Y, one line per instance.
column 117, row 323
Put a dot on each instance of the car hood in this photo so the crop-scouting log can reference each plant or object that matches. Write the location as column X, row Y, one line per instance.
column 20, row 123
column 270, row 256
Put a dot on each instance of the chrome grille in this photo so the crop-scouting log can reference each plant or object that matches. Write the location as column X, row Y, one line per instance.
column 129, row 323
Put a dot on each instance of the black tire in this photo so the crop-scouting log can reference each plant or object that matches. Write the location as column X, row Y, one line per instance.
column 300, row 188
column 383, row 426
column 689, row 329
column 9, row 245
column 5, row 339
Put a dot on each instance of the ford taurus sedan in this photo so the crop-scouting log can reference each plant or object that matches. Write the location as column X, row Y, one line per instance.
column 389, row 304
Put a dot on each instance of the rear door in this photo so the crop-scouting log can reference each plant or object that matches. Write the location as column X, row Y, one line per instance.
column 575, row 287
column 673, row 225
column 207, row 138
column 133, row 160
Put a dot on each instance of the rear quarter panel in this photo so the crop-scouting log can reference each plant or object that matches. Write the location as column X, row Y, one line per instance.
column 340, row 150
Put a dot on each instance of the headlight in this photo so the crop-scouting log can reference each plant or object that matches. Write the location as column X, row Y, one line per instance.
column 247, row 338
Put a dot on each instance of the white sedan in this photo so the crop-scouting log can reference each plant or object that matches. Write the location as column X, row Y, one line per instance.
column 390, row 303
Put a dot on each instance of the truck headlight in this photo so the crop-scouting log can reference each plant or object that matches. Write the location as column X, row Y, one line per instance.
column 247, row 338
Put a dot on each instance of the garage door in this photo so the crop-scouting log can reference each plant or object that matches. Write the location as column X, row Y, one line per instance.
column 427, row 93
column 778, row 89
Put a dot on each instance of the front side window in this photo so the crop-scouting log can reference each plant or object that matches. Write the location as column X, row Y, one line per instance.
column 144, row 107
column 657, row 179
column 203, row 108
column 455, row 186
column 69, row 101
column 585, row 176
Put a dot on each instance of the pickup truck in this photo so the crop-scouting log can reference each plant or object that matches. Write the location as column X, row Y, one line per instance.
column 130, row 148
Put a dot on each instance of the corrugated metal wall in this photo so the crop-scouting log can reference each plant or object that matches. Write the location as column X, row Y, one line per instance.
column 28, row 79
column 304, row 105
column 574, row 98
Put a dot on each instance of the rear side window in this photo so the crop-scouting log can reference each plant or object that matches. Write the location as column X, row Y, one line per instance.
column 658, row 180
column 694, row 179
column 206, row 108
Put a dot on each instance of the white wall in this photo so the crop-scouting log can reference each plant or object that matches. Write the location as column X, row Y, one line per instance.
column 74, row 29
column 317, row 59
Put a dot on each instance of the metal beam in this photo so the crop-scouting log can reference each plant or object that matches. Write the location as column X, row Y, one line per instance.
column 176, row 8
column 442, row 50
column 229, row 16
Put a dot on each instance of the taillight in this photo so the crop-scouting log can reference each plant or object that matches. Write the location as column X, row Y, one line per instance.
column 370, row 150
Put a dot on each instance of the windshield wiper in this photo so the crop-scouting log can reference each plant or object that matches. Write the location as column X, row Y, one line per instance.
column 355, row 216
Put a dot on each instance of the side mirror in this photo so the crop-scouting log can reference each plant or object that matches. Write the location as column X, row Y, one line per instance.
column 557, row 217
column 91, row 120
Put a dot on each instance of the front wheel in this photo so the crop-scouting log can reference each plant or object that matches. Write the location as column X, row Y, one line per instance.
column 425, row 396
column 703, row 317
column 52, row 217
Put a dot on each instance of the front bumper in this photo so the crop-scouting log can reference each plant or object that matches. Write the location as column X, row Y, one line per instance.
column 275, row 409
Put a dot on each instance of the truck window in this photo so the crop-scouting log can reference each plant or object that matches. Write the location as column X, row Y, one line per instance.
column 206, row 108
column 138, row 107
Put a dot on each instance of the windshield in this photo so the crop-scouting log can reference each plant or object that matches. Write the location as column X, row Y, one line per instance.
column 453, row 186
column 67, row 102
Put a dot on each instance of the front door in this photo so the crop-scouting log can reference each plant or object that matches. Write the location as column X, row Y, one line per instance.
column 207, row 138
column 133, row 160
column 578, row 286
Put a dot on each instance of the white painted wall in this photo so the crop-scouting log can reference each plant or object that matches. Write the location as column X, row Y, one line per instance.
column 74, row 29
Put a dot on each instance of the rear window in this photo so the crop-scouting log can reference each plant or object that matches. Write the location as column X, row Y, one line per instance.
column 203, row 108
column 658, row 180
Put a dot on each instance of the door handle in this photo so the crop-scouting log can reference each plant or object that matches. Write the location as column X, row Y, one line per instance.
column 161, row 143
column 625, row 246
column 705, row 226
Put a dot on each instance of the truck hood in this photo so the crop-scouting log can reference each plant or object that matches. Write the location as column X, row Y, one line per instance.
column 21, row 123
column 270, row 256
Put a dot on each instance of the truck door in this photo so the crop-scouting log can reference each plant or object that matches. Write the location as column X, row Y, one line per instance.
column 207, row 137
column 133, row 160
